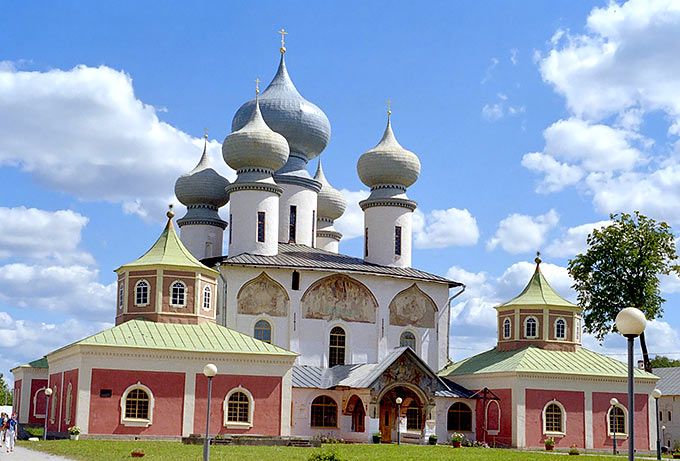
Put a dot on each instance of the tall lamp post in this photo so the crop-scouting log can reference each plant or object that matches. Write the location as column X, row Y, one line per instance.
column 209, row 371
column 399, row 400
column 631, row 323
column 48, row 392
column 656, row 393
column 614, row 403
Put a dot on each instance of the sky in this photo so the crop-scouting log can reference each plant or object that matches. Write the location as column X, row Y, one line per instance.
column 533, row 121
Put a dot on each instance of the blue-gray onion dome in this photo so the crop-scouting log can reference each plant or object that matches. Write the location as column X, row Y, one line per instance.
column 202, row 185
column 331, row 203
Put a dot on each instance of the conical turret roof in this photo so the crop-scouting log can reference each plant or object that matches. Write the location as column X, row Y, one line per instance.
column 538, row 292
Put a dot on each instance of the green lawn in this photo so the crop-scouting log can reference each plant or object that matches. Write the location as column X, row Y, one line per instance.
column 112, row 450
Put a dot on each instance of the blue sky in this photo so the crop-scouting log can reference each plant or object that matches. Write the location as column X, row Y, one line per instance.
column 532, row 121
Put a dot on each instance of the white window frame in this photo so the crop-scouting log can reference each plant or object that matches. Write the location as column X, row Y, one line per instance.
column 563, row 338
column 507, row 321
column 39, row 392
column 526, row 322
column 121, row 294
column 207, row 290
column 327, row 340
column 577, row 329
column 619, row 435
column 186, row 294
column 134, row 422
column 561, row 433
column 251, row 410
column 415, row 336
column 148, row 293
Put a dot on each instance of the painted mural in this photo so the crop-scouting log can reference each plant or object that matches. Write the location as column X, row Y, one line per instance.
column 339, row 297
column 262, row 295
column 412, row 307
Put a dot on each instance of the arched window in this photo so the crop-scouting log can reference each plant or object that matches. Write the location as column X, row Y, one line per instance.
column 336, row 347
column 178, row 294
column 136, row 406
column 578, row 329
column 459, row 418
column 531, row 328
column 142, row 293
column 560, row 329
column 414, row 417
column 263, row 331
column 407, row 339
column 238, row 408
column 553, row 418
column 207, row 292
column 67, row 404
column 324, row 412
column 53, row 401
column 121, row 294
column 506, row 328
column 617, row 421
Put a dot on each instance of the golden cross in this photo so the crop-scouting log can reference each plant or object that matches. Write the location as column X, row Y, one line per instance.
column 206, row 133
column 283, row 34
column 389, row 106
column 257, row 86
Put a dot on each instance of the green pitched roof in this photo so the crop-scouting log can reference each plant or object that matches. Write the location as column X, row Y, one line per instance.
column 206, row 337
column 168, row 250
column 537, row 360
column 40, row 363
column 538, row 292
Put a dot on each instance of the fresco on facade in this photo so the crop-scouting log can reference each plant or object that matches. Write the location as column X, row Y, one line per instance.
column 262, row 295
column 412, row 307
column 339, row 297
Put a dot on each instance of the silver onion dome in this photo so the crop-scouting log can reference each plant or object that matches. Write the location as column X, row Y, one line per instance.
column 302, row 123
column 202, row 185
column 388, row 163
column 331, row 203
column 255, row 145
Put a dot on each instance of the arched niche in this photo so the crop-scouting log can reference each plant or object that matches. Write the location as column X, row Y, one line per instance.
column 339, row 297
column 412, row 307
column 263, row 295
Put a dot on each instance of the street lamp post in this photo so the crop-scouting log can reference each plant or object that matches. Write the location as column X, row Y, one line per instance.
column 630, row 322
column 399, row 400
column 613, row 402
column 656, row 393
column 209, row 371
column 48, row 392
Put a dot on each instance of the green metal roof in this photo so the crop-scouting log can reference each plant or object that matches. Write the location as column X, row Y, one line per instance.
column 538, row 292
column 532, row 359
column 206, row 337
column 168, row 250
column 40, row 363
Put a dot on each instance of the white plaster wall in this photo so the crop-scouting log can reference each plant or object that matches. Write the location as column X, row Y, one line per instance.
column 380, row 222
column 442, row 405
column 201, row 240
column 672, row 433
column 305, row 200
column 245, row 204
column 327, row 244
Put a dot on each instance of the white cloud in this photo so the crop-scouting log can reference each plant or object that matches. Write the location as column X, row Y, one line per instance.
column 107, row 145
column 444, row 228
column 493, row 111
column 557, row 175
column 573, row 241
column 488, row 75
column 351, row 223
column 513, row 56
column 521, row 233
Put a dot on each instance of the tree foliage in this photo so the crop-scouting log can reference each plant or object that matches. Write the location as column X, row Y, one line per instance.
column 661, row 361
column 621, row 268
column 5, row 392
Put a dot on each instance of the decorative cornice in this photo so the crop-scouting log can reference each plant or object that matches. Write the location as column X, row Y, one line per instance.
column 307, row 183
column 237, row 186
column 329, row 234
column 202, row 221
column 389, row 186
column 394, row 202
column 255, row 170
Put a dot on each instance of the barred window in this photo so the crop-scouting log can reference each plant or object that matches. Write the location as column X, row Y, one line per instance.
column 137, row 404
column 414, row 417
column 459, row 418
column 207, row 292
column 553, row 418
column 324, row 412
column 397, row 240
column 238, row 408
column 292, row 224
column 336, row 348
column 260, row 226
column 142, row 293
column 407, row 339
column 178, row 294
column 263, row 331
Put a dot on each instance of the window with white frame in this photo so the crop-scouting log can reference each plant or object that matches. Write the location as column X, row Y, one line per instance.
column 617, row 421
column 178, row 294
column 506, row 328
column 121, row 294
column 136, row 406
column 560, row 329
column 207, row 295
column 531, row 327
column 142, row 293
column 578, row 329
column 238, row 408
column 554, row 418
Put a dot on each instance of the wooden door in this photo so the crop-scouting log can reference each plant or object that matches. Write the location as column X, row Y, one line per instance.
column 385, row 424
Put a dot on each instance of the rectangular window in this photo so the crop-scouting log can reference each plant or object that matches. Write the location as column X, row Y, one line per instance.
column 292, row 223
column 366, row 243
column 397, row 240
column 669, row 416
column 313, row 228
column 260, row 226
column 231, row 223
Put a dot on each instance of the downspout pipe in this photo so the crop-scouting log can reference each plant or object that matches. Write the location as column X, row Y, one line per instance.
column 448, row 322
column 224, row 294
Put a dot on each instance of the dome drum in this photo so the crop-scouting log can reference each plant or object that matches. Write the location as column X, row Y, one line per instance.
column 202, row 214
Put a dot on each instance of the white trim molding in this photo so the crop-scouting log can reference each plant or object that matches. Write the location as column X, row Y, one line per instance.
column 40, row 391
column 134, row 422
column 251, row 410
column 619, row 435
column 208, row 290
column 185, row 294
column 148, row 293
column 507, row 322
column 564, row 336
column 526, row 323
column 563, row 420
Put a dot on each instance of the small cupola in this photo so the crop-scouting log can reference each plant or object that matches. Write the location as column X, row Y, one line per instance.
column 540, row 317
column 331, row 204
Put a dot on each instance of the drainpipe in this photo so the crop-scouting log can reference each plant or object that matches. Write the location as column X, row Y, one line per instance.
column 448, row 321
column 224, row 294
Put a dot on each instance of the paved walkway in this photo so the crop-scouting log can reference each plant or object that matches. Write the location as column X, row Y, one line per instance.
column 24, row 454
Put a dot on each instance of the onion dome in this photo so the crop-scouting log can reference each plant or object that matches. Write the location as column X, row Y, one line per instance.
column 202, row 185
column 331, row 203
column 255, row 145
column 388, row 163
column 303, row 124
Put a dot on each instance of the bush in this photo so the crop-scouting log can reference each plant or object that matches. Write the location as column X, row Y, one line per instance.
column 74, row 430
column 324, row 455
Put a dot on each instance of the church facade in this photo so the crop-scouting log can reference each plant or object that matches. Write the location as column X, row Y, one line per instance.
column 307, row 341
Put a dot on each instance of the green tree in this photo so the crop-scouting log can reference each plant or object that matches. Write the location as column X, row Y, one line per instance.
column 659, row 361
column 5, row 392
column 621, row 268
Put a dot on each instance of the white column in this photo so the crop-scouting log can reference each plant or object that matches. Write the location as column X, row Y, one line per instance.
column 245, row 206
column 189, row 404
column 589, row 418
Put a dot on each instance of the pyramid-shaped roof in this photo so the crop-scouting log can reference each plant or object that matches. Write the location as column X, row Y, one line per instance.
column 538, row 292
column 168, row 251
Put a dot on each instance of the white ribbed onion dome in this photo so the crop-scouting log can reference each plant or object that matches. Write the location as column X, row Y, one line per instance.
column 331, row 203
column 255, row 145
column 202, row 185
column 388, row 163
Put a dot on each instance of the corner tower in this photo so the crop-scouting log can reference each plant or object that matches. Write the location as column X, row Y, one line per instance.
column 388, row 169
column 331, row 205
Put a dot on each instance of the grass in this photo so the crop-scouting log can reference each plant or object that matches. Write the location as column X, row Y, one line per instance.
column 103, row 450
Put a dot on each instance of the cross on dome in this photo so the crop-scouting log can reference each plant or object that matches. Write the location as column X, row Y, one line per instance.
column 283, row 36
